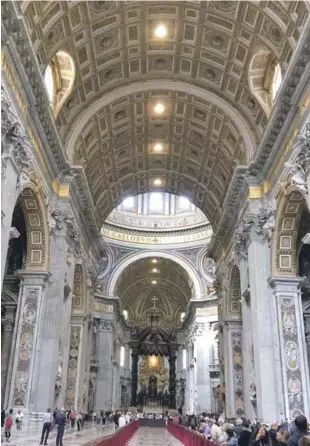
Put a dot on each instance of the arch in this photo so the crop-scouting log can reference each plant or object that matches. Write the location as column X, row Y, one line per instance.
column 37, row 257
column 233, row 307
column 250, row 140
column 197, row 285
column 61, row 72
column 284, row 256
column 262, row 70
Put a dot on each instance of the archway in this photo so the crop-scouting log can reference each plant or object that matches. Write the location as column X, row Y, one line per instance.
column 196, row 281
column 289, row 262
column 26, row 272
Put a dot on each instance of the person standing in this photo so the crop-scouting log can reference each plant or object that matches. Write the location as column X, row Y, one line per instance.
column 79, row 420
column 8, row 424
column 18, row 420
column 47, row 423
column 55, row 414
column 2, row 417
column 61, row 423
column 245, row 436
column 301, row 425
column 72, row 417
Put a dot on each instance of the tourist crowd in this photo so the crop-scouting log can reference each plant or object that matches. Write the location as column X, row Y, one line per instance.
column 242, row 432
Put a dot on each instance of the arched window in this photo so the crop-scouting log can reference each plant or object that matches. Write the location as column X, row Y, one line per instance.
column 49, row 83
column 277, row 80
column 265, row 78
column 59, row 79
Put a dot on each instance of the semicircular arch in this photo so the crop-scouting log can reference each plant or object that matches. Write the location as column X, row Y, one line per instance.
column 198, row 292
column 249, row 137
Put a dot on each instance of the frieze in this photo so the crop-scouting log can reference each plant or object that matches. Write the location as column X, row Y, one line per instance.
column 157, row 238
column 102, row 308
column 207, row 311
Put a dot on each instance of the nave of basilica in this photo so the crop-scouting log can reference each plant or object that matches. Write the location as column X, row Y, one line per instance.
column 155, row 215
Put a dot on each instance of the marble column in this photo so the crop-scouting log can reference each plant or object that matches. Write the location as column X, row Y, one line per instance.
column 32, row 290
column 6, row 346
column 293, row 348
column 172, row 378
column 203, row 343
column 45, row 369
column 134, row 375
column 105, row 372
column 264, row 325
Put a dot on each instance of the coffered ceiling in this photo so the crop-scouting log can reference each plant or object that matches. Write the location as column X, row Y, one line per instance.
column 165, row 280
column 199, row 71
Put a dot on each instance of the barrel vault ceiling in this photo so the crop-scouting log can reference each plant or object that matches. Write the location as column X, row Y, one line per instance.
column 165, row 280
column 200, row 72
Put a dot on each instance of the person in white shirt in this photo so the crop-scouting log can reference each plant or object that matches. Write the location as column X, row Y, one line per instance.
column 122, row 421
column 127, row 418
column 47, row 423
column 18, row 419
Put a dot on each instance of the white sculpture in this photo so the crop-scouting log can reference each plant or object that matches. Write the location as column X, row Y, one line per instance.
column 298, row 177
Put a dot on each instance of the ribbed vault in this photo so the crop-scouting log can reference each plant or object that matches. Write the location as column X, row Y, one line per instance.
column 145, row 283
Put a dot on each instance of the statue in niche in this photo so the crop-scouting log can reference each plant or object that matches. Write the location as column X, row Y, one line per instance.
column 208, row 265
column 59, row 376
column 103, row 265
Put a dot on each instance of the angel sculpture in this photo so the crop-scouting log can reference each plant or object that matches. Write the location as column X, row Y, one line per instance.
column 298, row 176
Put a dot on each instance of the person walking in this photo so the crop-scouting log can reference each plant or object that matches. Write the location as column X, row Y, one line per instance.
column 61, row 423
column 8, row 424
column 47, row 423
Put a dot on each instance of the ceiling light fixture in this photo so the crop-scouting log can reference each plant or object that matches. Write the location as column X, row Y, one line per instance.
column 154, row 261
column 157, row 182
column 154, row 282
column 154, row 270
column 159, row 108
column 158, row 147
column 161, row 31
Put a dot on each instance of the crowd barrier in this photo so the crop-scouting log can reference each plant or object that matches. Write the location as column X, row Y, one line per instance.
column 121, row 436
column 187, row 436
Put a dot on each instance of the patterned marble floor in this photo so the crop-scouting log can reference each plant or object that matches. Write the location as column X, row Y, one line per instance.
column 149, row 436
column 30, row 435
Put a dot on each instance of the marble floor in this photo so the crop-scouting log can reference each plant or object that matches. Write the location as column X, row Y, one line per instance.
column 30, row 435
column 149, row 436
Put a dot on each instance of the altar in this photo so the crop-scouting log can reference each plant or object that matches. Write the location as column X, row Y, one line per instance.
column 153, row 370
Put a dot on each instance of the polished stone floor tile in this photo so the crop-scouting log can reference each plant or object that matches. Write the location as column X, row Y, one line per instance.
column 30, row 435
column 148, row 436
